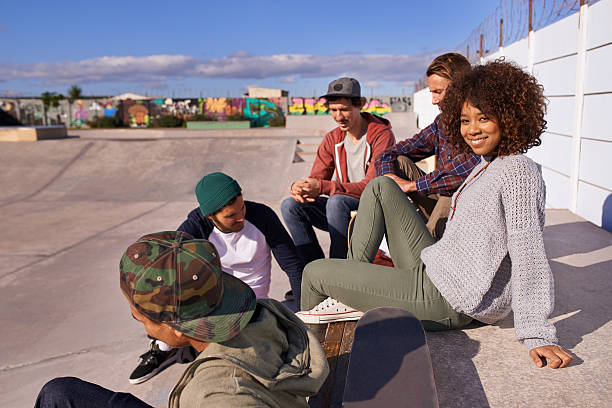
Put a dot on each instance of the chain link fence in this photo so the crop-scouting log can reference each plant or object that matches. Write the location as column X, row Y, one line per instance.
column 511, row 21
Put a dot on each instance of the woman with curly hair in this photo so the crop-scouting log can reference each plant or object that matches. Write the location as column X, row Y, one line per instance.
column 491, row 259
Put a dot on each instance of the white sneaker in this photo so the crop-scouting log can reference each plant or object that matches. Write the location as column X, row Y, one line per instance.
column 329, row 310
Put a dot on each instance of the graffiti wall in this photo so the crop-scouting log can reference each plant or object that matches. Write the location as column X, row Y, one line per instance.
column 376, row 105
column 31, row 111
column 139, row 113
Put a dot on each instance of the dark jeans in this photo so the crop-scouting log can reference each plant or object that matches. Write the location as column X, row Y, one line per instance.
column 71, row 392
column 328, row 214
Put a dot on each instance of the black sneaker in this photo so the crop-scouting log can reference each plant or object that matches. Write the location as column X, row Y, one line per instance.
column 289, row 296
column 152, row 362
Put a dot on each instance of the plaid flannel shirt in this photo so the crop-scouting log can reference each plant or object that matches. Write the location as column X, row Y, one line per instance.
column 451, row 169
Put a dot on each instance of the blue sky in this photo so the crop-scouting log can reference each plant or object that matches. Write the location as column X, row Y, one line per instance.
column 209, row 48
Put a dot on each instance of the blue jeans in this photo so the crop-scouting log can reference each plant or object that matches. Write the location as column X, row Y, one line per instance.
column 71, row 392
column 328, row 214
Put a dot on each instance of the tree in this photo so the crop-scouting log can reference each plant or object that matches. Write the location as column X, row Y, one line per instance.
column 50, row 99
column 74, row 93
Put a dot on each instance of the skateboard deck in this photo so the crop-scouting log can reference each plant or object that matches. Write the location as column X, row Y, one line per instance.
column 390, row 365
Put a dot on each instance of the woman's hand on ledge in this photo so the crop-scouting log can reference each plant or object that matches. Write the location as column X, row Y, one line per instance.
column 555, row 356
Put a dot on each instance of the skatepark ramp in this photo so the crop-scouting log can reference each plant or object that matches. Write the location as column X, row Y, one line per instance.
column 141, row 170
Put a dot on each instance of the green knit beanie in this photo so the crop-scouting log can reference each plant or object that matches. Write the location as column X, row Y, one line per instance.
column 214, row 191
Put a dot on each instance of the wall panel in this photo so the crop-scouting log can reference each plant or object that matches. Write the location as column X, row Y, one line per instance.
column 517, row 52
column 558, row 77
column 558, row 39
column 598, row 70
column 594, row 155
column 600, row 29
column 557, row 189
column 590, row 202
column 554, row 152
column 560, row 115
column 596, row 115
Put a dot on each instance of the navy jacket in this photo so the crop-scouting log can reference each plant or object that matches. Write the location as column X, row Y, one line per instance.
column 266, row 221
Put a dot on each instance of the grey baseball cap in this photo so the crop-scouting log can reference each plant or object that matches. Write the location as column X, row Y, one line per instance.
column 344, row 87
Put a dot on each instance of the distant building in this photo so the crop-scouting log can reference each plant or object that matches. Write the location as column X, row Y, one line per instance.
column 267, row 93
column 132, row 96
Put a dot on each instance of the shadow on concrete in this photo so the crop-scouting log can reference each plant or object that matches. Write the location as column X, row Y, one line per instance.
column 581, row 268
column 457, row 378
column 582, row 300
column 569, row 239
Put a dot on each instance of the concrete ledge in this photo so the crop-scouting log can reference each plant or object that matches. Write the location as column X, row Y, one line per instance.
column 32, row 134
column 229, row 124
column 403, row 124
column 318, row 123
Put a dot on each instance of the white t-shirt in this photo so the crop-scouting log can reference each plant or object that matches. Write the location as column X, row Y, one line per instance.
column 354, row 158
column 245, row 255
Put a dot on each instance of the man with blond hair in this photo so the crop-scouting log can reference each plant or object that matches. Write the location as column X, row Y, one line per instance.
column 431, row 192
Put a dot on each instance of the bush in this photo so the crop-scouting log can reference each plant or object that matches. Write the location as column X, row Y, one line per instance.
column 236, row 117
column 167, row 121
column 105, row 122
column 277, row 121
column 202, row 117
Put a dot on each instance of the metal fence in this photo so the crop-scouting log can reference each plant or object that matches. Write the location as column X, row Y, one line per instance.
column 511, row 21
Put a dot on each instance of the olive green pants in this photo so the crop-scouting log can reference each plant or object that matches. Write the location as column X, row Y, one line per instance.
column 356, row 282
column 434, row 207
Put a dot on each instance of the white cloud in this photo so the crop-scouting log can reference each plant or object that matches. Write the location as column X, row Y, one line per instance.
column 238, row 65
column 288, row 80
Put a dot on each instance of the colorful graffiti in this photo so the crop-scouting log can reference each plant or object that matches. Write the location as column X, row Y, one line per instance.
column 31, row 112
column 79, row 114
column 260, row 111
column 296, row 107
column 109, row 109
column 177, row 107
column 222, row 108
column 139, row 115
column 376, row 107
column 308, row 106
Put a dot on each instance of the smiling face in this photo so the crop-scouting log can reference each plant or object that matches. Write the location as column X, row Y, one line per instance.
column 479, row 131
column 437, row 86
column 346, row 115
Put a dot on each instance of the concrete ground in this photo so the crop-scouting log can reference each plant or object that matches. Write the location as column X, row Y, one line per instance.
column 68, row 209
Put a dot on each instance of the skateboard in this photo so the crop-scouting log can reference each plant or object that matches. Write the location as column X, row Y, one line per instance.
column 390, row 365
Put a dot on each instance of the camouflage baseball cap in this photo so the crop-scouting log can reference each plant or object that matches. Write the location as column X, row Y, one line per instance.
column 172, row 278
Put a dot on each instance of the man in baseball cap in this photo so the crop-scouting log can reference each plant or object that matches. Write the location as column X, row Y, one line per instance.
column 349, row 151
column 251, row 352
column 247, row 235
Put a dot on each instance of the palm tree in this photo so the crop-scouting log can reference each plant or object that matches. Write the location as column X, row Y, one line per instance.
column 74, row 93
column 47, row 99
column 50, row 99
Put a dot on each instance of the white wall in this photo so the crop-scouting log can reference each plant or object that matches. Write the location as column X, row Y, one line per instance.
column 426, row 112
column 572, row 59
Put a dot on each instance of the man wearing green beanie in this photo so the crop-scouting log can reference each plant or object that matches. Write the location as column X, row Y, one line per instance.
column 246, row 234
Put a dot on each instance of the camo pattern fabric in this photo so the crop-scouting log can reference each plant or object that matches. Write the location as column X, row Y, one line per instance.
column 172, row 278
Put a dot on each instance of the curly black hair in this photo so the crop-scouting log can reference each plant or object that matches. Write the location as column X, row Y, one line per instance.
column 508, row 95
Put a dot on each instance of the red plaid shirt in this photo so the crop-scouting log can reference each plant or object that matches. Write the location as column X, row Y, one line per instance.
column 451, row 169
